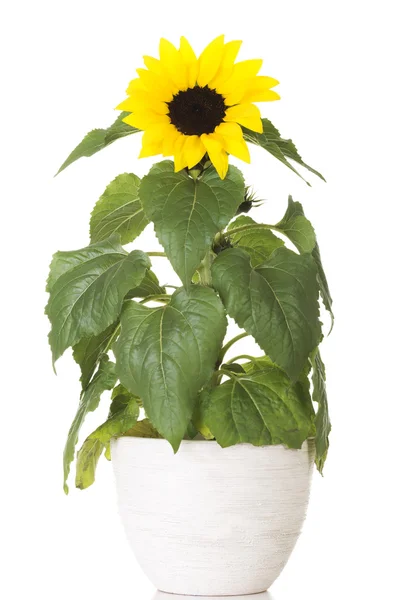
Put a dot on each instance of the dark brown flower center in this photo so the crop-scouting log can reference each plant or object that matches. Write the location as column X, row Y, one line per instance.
column 197, row 110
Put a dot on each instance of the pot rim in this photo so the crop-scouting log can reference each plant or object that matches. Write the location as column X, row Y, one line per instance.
column 202, row 441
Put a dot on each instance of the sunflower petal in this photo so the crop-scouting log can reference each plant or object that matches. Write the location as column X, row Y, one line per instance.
column 241, row 73
column 194, row 150
column 247, row 68
column 247, row 115
column 179, row 156
column 125, row 105
column 260, row 96
column 150, row 150
column 154, row 135
column 140, row 101
column 153, row 64
column 190, row 60
column 231, row 50
column 235, row 97
column 171, row 134
column 135, row 85
column 186, row 51
column 233, row 141
column 159, row 86
column 146, row 118
column 153, row 139
column 210, row 60
column 258, row 89
column 252, row 91
column 172, row 61
column 216, row 152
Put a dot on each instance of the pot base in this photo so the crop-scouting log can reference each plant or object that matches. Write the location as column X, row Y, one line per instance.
column 169, row 596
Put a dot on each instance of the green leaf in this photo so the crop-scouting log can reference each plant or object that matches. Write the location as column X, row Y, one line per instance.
column 198, row 413
column 119, row 130
column 88, row 297
column 282, row 149
column 191, row 432
column 276, row 303
column 143, row 429
column 122, row 394
column 64, row 261
column 258, row 243
column 301, row 387
column 98, row 139
column 187, row 214
column 233, row 368
column 322, row 421
column 118, row 210
column 122, row 417
column 323, row 283
column 297, row 228
column 166, row 354
column 104, row 379
column 150, row 286
column 88, row 352
column 120, row 397
column 261, row 408
column 259, row 363
column 86, row 462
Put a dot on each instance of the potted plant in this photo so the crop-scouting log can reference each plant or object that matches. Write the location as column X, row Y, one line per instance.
column 213, row 457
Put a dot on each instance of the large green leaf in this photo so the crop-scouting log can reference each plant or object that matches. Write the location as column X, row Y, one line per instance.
column 260, row 408
column 64, row 261
column 258, row 243
column 88, row 297
column 301, row 387
column 123, row 416
column 88, row 352
column 150, row 286
column 118, row 210
column 98, row 139
column 120, row 395
column 166, row 354
column 282, row 149
column 322, row 421
column 323, row 283
column 277, row 303
column 297, row 228
column 104, row 379
column 186, row 213
column 143, row 429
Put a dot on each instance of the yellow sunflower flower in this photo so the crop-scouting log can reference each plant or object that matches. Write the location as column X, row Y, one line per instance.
column 189, row 106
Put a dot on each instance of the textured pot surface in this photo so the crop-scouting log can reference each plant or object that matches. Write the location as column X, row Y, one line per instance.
column 211, row 521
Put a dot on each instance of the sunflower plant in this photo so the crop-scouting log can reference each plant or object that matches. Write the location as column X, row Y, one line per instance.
column 167, row 373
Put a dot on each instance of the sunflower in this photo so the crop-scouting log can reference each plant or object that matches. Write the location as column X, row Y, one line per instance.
column 190, row 106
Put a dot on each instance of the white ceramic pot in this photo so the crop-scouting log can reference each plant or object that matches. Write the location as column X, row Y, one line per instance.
column 211, row 521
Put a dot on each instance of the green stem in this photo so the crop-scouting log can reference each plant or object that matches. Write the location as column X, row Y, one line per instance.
column 112, row 338
column 156, row 253
column 160, row 297
column 105, row 351
column 221, row 372
column 217, row 376
column 232, row 360
column 205, row 269
column 228, row 345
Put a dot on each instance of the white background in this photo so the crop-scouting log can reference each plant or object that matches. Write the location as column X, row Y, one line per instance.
column 65, row 65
